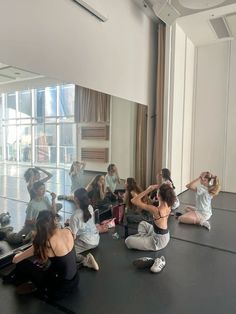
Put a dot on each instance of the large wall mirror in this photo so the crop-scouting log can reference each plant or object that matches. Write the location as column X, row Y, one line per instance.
column 41, row 126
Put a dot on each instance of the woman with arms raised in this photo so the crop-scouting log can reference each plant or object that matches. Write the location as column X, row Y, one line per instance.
column 153, row 237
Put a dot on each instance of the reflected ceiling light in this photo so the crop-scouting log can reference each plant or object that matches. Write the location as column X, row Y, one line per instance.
column 200, row 4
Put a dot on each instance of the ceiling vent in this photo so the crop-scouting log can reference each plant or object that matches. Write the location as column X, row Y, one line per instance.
column 220, row 27
column 165, row 11
column 92, row 7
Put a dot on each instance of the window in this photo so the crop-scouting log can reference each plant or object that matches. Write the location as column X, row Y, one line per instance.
column 40, row 113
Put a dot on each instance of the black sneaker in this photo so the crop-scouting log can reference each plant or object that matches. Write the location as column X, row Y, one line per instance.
column 143, row 262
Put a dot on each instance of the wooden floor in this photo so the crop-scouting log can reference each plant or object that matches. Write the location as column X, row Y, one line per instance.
column 199, row 276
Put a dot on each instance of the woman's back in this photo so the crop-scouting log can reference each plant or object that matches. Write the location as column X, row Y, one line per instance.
column 86, row 231
column 62, row 254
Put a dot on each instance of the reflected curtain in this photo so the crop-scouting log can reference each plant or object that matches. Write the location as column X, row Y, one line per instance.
column 91, row 106
column 158, row 113
column 141, row 145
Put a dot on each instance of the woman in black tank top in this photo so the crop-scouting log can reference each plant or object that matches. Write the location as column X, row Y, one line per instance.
column 51, row 269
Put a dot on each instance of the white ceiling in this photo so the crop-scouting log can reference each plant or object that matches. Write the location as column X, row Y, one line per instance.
column 195, row 17
column 10, row 74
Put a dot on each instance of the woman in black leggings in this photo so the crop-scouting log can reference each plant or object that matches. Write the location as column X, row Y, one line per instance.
column 49, row 265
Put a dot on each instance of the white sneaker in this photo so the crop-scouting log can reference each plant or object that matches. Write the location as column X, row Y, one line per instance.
column 158, row 265
column 206, row 224
column 90, row 262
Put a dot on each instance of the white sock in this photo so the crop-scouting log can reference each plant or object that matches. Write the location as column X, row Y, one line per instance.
column 206, row 224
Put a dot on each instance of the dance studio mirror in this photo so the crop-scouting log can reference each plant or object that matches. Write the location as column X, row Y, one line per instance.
column 41, row 125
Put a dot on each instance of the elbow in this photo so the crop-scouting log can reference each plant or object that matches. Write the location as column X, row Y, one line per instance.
column 133, row 201
column 187, row 186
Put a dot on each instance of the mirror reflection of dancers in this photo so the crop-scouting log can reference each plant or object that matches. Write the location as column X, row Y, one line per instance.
column 208, row 188
column 153, row 237
column 76, row 175
column 33, row 175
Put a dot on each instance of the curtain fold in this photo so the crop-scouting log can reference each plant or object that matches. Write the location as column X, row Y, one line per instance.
column 158, row 113
column 91, row 106
column 141, row 145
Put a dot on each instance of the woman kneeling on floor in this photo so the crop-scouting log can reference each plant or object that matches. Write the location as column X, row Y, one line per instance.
column 208, row 188
column 153, row 237
column 48, row 267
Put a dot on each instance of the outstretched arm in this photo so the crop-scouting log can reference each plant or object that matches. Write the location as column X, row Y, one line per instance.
column 23, row 255
column 137, row 200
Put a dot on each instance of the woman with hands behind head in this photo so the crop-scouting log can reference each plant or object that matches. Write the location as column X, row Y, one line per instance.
column 206, row 186
column 153, row 237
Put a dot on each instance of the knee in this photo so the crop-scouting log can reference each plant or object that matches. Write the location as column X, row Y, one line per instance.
column 127, row 243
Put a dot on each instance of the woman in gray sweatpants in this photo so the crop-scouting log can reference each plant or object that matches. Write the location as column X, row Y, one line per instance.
column 153, row 237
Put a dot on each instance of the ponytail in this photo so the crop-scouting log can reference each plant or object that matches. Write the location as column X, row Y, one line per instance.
column 166, row 176
column 214, row 189
column 82, row 196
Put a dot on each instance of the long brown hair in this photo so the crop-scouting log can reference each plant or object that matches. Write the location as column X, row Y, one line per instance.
column 167, row 194
column 82, row 196
column 131, row 186
column 45, row 228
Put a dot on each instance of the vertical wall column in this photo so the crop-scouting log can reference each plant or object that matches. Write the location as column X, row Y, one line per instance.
column 178, row 108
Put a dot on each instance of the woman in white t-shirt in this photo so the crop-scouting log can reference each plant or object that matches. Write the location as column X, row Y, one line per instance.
column 83, row 227
column 208, row 188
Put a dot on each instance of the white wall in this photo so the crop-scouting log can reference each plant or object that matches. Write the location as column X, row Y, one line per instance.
column 123, row 134
column 214, row 119
column 178, row 106
column 58, row 39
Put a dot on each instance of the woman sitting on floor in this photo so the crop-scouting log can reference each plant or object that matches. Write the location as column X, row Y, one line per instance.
column 52, row 271
column 153, row 237
column 208, row 188
column 84, row 229
column 38, row 203
column 97, row 191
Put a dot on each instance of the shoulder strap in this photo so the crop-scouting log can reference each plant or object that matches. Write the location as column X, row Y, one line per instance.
column 51, row 247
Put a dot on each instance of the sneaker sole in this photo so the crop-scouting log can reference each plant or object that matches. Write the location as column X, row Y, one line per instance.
column 139, row 264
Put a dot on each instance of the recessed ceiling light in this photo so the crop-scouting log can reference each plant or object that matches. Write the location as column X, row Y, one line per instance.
column 200, row 4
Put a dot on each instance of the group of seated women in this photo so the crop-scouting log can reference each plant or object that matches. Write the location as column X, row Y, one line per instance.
column 49, row 266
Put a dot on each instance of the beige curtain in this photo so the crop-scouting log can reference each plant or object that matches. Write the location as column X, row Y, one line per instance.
column 91, row 106
column 158, row 114
column 141, row 145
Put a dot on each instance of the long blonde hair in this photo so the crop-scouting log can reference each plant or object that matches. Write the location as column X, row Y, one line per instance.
column 215, row 187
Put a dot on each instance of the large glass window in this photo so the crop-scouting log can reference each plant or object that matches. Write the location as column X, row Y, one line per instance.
column 66, row 100
column 51, row 102
column 11, row 108
column 25, row 143
column 25, row 104
column 37, row 125
column 11, row 143
column 67, row 143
